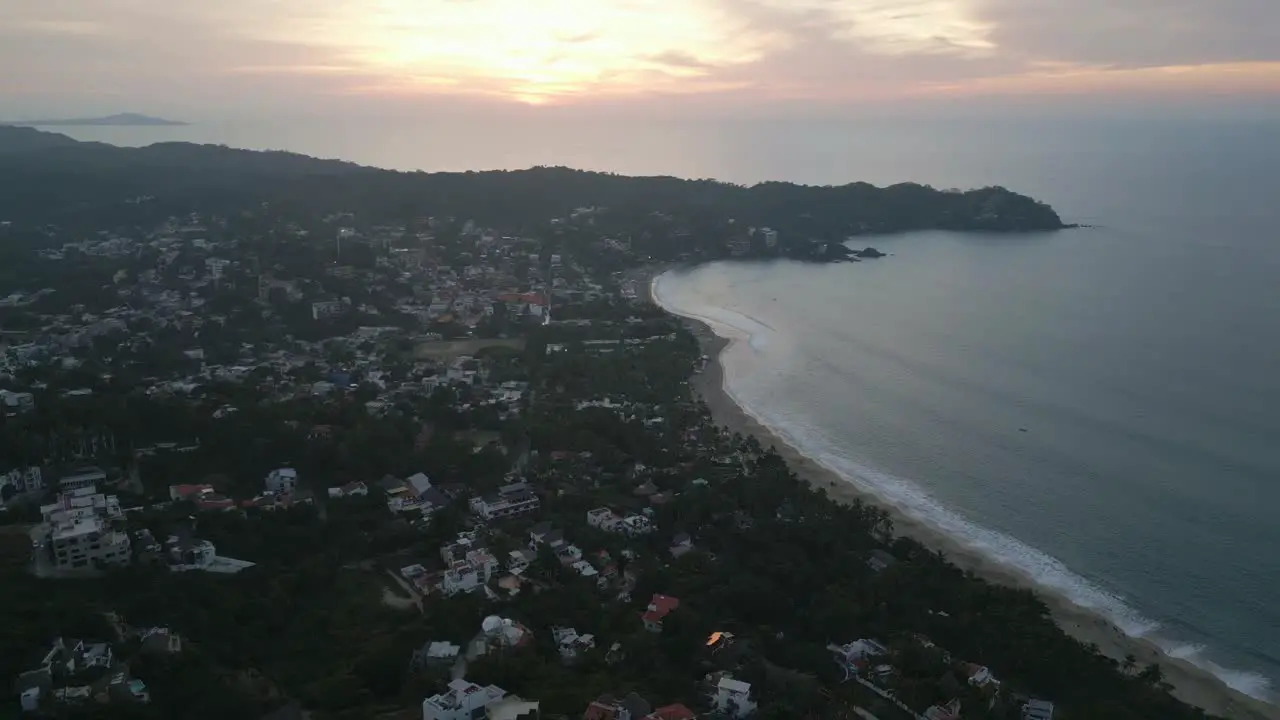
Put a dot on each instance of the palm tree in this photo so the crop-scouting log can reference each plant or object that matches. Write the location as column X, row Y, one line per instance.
column 1129, row 665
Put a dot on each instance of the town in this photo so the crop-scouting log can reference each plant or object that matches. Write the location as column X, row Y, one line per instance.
column 277, row 465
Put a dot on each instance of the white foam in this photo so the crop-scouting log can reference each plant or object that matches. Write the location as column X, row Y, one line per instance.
column 909, row 497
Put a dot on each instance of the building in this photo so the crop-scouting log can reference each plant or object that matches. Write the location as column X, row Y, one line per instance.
column 17, row 402
column 23, row 480
column 660, row 606
column 83, row 477
column 282, row 481
column 671, row 712
column 65, row 660
column 510, row 501
column 419, row 484
column 327, row 309
column 1037, row 710
column 468, row 566
column 204, row 496
column 770, row 237
column 160, row 641
column 854, row 658
column 77, row 531
column 607, row 707
column 949, row 711
column 570, row 643
column 82, row 503
column 609, row 521
column 513, row 708
column 435, row 654
column 980, row 676
column 191, row 552
column 87, row 542
column 351, row 489
column 733, row 697
column 603, row 518
column 463, row 701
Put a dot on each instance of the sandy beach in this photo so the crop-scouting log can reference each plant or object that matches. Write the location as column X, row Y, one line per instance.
column 1191, row 684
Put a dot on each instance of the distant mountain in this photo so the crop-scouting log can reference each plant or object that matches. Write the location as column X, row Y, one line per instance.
column 119, row 119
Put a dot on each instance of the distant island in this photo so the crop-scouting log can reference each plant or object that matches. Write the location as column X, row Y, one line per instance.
column 120, row 119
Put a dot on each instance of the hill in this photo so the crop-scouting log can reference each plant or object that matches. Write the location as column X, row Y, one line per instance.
column 44, row 176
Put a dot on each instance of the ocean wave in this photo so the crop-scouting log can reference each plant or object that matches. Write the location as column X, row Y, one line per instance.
column 909, row 497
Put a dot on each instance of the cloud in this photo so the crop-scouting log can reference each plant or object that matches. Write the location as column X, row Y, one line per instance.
column 267, row 55
column 1136, row 33
column 678, row 59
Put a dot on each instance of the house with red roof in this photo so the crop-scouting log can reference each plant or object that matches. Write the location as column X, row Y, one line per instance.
column 204, row 497
column 671, row 712
column 660, row 606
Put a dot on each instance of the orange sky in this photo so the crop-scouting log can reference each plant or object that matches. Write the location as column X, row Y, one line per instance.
column 141, row 54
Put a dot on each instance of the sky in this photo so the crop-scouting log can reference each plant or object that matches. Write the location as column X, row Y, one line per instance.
column 248, row 57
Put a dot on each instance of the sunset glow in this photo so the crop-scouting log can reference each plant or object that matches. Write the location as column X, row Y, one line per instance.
column 577, row 53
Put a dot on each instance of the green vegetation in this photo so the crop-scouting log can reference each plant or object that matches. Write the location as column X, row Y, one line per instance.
column 45, row 179
column 606, row 417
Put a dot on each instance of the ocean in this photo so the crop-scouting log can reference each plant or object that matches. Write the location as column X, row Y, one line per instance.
column 1098, row 408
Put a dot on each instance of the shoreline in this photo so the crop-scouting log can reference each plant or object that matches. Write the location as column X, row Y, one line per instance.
column 1191, row 683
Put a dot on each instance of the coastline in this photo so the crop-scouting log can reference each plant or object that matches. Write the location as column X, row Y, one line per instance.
column 1191, row 684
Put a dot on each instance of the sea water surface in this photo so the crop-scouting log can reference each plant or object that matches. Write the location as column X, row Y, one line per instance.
column 1100, row 408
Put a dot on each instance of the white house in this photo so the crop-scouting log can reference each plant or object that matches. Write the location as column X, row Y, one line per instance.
column 79, row 478
column 351, row 489
column 570, row 643
column 603, row 518
column 327, row 309
column 419, row 483
column 29, row 479
column 463, row 701
column 609, row 521
column 509, row 501
column 733, row 697
column 17, row 401
column 87, row 542
column 469, row 566
column 195, row 553
column 633, row 525
column 282, row 481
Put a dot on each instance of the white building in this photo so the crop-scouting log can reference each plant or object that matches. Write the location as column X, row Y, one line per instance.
column 351, row 489
column 463, row 701
column 420, row 483
column 282, row 481
column 17, row 401
column 216, row 266
column 79, row 505
column 327, row 309
column 570, row 643
column 79, row 478
column 87, row 542
column 603, row 518
column 733, row 697
column 469, row 566
column 195, row 553
column 29, row 479
column 609, row 521
column 509, row 501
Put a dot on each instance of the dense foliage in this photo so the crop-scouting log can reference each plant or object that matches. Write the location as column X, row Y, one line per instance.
column 46, row 179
